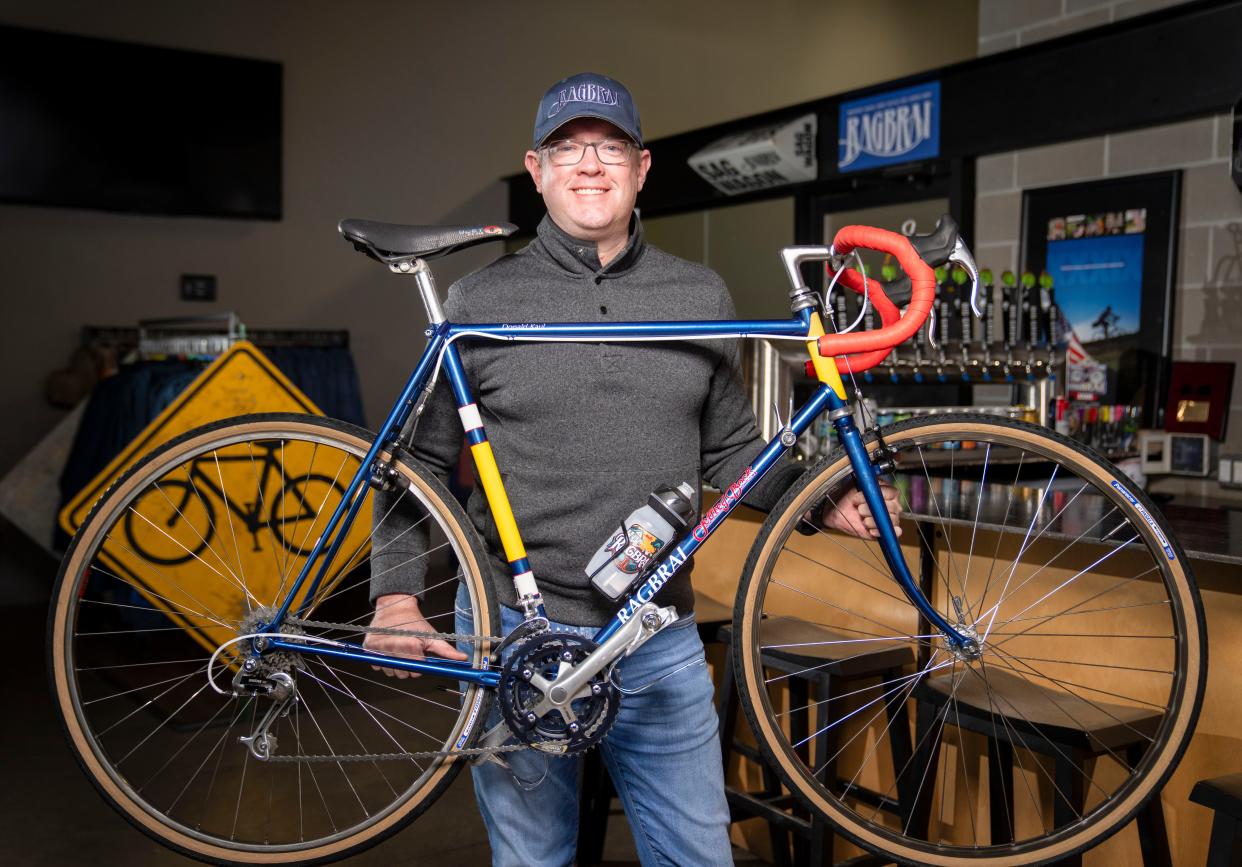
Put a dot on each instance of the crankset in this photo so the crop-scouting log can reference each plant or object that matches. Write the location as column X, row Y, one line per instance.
column 567, row 727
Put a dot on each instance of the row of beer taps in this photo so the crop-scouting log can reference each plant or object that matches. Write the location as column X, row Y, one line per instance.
column 1020, row 336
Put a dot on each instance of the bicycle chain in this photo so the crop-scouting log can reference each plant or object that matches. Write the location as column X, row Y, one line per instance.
column 466, row 752
column 388, row 630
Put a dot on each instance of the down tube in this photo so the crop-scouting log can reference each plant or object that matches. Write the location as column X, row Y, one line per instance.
column 713, row 517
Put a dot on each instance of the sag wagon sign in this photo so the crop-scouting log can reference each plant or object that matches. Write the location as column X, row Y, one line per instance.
column 888, row 128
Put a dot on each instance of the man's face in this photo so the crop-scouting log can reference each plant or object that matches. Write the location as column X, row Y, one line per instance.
column 590, row 200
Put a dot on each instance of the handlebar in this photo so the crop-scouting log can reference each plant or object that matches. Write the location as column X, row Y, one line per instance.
column 856, row 352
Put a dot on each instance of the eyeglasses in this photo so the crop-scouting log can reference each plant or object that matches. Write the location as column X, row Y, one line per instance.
column 610, row 151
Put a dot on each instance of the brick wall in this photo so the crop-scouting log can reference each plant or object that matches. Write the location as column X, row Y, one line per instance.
column 1005, row 24
column 1208, row 285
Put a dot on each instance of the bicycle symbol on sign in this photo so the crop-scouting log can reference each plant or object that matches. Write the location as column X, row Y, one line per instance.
column 174, row 521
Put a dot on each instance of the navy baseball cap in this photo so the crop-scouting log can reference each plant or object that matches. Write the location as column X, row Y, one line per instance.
column 587, row 94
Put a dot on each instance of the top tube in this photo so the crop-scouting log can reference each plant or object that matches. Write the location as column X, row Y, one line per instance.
column 660, row 330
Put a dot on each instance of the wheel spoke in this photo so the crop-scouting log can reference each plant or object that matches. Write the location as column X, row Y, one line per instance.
column 889, row 630
column 1068, row 686
column 974, row 527
column 281, row 562
column 210, row 523
column 822, row 565
column 362, row 747
column 216, row 750
column 931, row 489
column 224, row 491
column 164, row 577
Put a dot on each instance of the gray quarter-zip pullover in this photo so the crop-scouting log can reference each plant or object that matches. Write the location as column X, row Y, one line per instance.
column 583, row 432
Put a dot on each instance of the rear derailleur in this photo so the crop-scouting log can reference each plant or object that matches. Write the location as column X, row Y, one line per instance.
column 279, row 687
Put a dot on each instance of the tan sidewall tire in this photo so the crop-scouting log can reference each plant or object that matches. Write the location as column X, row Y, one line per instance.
column 802, row 496
column 328, row 431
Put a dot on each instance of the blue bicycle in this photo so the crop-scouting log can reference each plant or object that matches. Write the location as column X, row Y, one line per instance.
column 1009, row 682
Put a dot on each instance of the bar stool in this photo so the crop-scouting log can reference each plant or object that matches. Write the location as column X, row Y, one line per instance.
column 821, row 662
column 597, row 792
column 1224, row 796
column 1068, row 729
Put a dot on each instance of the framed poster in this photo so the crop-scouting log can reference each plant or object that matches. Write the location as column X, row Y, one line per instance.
column 1110, row 248
column 1198, row 399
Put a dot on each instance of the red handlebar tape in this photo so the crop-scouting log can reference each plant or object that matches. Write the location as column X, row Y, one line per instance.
column 864, row 350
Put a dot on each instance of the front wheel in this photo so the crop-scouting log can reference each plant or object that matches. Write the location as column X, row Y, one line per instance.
column 1093, row 651
column 353, row 756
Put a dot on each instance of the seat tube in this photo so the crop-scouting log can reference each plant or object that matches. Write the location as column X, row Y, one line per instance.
column 493, row 487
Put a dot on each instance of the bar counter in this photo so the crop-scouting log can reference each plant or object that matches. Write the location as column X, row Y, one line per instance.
column 1211, row 536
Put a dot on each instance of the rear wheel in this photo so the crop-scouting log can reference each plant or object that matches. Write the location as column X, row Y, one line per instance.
column 131, row 635
column 1093, row 649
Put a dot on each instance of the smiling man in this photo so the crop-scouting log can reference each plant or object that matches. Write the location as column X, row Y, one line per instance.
column 584, row 432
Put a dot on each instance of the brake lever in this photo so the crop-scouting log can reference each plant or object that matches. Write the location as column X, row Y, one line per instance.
column 961, row 256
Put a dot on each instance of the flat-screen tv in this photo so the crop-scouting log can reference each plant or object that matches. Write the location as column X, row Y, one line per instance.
column 117, row 126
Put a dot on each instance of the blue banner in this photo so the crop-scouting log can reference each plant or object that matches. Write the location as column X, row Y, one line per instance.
column 888, row 128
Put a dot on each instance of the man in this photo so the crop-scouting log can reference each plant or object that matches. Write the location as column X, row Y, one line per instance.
column 584, row 432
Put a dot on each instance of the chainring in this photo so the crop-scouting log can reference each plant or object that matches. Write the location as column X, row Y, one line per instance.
column 592, row 715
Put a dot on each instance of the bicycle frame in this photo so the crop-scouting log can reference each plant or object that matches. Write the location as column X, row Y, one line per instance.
column 440, row 350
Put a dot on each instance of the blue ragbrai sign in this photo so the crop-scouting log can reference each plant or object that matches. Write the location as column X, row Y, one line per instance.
column 888, row 128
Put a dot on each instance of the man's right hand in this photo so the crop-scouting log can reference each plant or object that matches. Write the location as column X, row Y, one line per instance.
column 401, row 611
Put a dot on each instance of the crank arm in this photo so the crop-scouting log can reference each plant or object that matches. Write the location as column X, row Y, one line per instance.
column 646, row 622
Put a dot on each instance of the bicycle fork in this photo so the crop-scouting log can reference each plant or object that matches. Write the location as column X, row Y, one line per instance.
column 867, row 472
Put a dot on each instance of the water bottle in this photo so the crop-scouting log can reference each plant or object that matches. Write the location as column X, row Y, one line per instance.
column 629, row 551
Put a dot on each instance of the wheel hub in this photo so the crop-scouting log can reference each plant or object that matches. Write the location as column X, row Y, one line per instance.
column 270, row 662
column 972, row 649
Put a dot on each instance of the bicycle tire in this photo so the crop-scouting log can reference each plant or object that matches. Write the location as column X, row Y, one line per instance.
column 175, row 514
column 168, row 757
column 1023, row 695
column 281, row 528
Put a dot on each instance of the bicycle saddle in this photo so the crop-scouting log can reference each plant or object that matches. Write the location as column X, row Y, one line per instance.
column 390, row 242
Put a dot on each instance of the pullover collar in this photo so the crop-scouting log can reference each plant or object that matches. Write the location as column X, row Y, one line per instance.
column 582, row 257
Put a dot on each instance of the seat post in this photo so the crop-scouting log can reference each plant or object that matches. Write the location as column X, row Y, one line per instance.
column 426, row 287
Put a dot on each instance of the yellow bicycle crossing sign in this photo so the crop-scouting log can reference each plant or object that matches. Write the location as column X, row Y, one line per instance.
column 231, row 525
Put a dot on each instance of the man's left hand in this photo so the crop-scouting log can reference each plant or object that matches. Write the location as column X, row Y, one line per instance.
column 852, row 515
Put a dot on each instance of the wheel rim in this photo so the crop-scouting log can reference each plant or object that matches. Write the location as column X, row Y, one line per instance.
column 133, row 637
column 1134, row 705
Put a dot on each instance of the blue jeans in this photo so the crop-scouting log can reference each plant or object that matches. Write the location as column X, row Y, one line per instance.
column 663, row 754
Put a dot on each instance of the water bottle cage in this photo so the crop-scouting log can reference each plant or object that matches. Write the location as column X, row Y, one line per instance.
column 645, row 570
column 615, row 548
